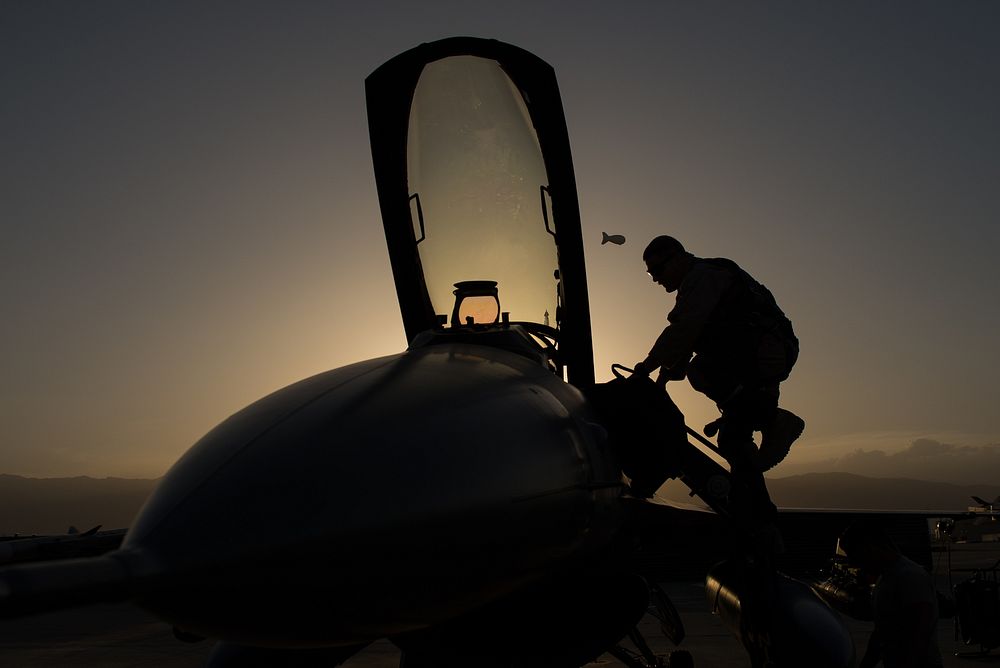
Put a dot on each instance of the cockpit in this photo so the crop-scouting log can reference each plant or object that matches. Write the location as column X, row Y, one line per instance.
column 472, row 182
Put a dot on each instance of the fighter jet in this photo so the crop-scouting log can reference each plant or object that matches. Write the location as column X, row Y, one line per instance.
column 15, row 549
column 984, row 506
column 462, row 498
column 984, row 512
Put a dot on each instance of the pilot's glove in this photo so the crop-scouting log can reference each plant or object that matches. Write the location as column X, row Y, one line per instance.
column 677, row 371
column 642, row 369
column 674, row 373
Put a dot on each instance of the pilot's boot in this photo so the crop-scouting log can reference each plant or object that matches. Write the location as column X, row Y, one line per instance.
column 777, row 438
column 713, row 427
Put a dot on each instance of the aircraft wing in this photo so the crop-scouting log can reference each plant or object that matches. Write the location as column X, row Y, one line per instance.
column 24, row 549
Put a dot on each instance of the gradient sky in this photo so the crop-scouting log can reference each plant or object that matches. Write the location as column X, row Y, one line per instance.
column 189, row 218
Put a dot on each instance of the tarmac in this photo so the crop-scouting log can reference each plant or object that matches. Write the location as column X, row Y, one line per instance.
column 113, row 636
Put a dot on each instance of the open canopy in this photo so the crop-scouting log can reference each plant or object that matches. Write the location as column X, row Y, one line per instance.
column 477, row 192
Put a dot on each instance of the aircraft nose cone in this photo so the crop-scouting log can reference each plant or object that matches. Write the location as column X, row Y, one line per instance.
column 245, row 473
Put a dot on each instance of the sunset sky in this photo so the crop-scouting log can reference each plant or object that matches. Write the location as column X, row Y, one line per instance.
column 189, row 218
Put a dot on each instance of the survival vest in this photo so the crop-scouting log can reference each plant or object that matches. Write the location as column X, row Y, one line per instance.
column 746, row 313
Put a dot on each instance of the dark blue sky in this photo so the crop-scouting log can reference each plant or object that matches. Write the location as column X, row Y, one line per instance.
column 189, row 218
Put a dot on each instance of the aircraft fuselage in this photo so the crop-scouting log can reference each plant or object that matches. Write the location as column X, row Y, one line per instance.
column 378, row 498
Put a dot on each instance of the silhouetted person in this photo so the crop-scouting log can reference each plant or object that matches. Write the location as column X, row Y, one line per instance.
column 743, row 347
column 904, row 601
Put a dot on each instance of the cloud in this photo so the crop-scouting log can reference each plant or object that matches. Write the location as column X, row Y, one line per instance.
column 925, row 447
column 923, row 459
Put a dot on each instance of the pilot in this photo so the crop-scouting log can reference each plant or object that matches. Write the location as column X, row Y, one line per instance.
column 904, row 601
column 727, row 334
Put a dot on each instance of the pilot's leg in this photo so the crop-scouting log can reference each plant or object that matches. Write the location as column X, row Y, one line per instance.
column 744, row 409
column 780, row 427
column 737, row 446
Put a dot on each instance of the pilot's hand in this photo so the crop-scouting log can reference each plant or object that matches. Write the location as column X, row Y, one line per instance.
column 642, row 369
column 676, row 372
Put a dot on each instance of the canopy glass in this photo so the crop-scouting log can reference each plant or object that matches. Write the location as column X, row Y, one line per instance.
column 477, row 186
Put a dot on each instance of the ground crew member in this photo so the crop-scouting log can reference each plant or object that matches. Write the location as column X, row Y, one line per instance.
column 904, row 601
